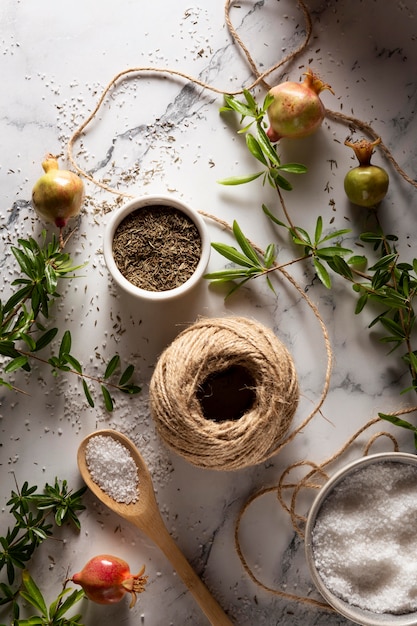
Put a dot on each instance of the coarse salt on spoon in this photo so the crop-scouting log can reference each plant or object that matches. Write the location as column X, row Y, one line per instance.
column 145, row 515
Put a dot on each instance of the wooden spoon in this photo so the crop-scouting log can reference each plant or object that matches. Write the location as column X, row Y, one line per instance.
column 145, row 514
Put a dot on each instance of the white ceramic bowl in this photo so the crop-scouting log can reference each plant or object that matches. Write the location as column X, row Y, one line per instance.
column 354, row 613
column 126, row 285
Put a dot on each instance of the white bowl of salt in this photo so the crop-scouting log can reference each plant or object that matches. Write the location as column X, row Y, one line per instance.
column 361, row 540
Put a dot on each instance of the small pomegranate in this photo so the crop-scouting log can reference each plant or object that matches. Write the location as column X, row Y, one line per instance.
column 105, row 579
column 296, row 110
column 58, row 194
column 365, row 185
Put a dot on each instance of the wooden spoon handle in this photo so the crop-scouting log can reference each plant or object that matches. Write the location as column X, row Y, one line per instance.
column 157, row 531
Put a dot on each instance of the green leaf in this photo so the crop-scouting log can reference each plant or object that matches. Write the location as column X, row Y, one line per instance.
column 230, row 253
column 244, row 244
column 126, row 375
column 60, row 515
column 51, row 279
column 405, row 285
column 380, row 279
column 250, row 100
column 69, row 602
column 319, row 229
column 45, row 339
column 335, row 234
column 108, row 402
column 393, row 327
column 339, row 265
column 267, row 148
column 272, row 216
column 270, row 285
column 331, row 251
column 237, row 286
column 270, row 255
column 111, row 366
column 268, row 100
column 391, row 339
column 301, row 237
column 29, row 341
column 388, row 297
column 30, row 246
column 224, row 276
column 371, row 237
column 4, row 383
column 404, row 266
column 235, row 105
column 361, row 303
column 358, row 262
column 376, row 320
column 397, row 421
column 239, row 180
column 293, row 168
column 32, row 593
column 131, row 389
column 88, row 394
column 7, row 349
column 255, row 149
column 74, row 363
column 15, row 364
column 245, row 129
column 36, row 300
column 322, row 273
column 411, row 358
column 385, row 262
column 54, row 361
column 20, row 296
column 65, row 346
column 25, row 264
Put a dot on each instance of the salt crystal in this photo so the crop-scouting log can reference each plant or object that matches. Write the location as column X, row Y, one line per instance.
column 364, row 538
column 112, row 468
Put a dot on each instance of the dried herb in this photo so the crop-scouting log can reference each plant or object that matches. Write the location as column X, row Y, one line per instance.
column 157, row 247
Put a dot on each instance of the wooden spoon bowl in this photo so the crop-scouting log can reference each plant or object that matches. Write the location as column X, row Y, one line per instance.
column 145, row 515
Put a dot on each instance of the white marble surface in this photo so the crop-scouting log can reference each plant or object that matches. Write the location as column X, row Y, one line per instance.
column 55, row 60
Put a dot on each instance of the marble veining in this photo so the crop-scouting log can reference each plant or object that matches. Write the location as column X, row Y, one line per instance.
column 163, row 134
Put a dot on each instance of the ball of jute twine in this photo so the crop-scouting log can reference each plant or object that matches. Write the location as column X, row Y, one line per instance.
column 209, row 347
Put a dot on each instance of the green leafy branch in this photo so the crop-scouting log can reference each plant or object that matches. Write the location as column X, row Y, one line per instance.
column 251, row 263
column 22, row 320
column 259, row 145
column 66, row 362
column 54, row 615
column 386, row 283
column 32, row 512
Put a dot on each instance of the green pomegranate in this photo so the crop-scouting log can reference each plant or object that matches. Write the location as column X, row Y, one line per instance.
column 365, row 185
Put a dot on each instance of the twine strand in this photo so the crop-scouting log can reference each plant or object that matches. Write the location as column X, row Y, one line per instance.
column 259, row 80
column 325, row 334
column 317, row 471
